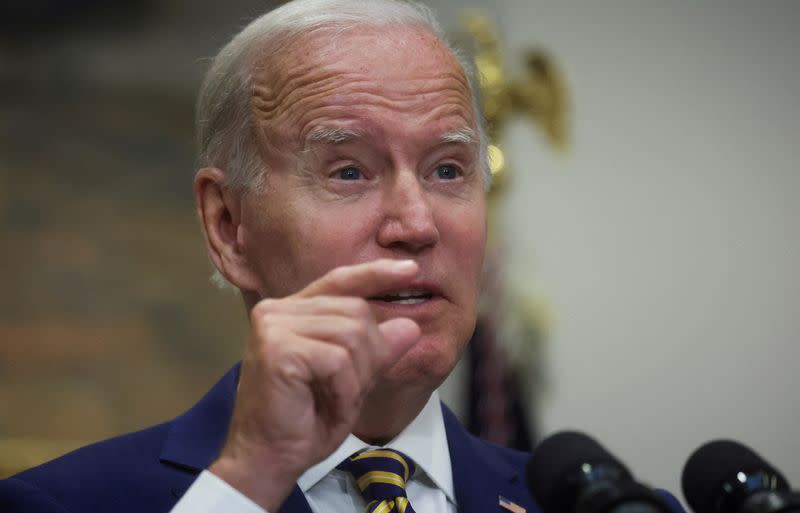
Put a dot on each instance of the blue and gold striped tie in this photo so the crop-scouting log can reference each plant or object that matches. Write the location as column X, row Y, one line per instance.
column 381, row 475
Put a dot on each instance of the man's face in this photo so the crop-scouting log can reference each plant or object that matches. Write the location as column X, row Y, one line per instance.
column 370, row 144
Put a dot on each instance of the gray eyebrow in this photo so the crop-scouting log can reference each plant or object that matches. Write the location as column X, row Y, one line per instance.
column 462, row 135
column 331, row 135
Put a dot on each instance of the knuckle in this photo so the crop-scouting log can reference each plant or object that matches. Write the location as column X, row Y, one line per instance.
column 262, row 308
column 360, row 307
column 273, row 331
column 290, row 366
column 266, row 332
column 338, row 277
column 347, row 303
column 338, row 359
column 350, row 338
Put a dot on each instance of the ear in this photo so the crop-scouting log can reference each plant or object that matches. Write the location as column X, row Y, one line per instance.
column 219, row 213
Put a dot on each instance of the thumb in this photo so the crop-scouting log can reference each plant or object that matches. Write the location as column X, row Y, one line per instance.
column 400, row 335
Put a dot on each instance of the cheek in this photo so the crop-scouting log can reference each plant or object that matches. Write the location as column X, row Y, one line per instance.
column 329, row 236
column 467, row 239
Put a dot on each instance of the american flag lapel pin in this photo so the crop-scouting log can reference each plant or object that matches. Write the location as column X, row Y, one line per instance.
column 510, row 506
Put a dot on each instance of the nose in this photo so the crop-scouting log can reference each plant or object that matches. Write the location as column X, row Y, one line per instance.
column 408, row 223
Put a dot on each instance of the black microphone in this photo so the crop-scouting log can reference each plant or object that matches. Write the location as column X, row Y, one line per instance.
column 571, row 473
column 724, row 476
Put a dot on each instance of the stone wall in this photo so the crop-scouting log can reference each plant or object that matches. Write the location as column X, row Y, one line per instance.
column 108, row 321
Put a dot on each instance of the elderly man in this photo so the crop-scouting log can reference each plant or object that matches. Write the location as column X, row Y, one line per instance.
column 356, row 235
column 342, row 192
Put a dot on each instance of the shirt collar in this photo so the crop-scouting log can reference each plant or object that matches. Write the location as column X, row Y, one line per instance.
column 424, row 440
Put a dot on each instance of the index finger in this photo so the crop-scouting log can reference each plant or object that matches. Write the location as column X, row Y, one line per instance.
column 363, row 280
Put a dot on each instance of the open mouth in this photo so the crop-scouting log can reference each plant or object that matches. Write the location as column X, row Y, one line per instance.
column 406, row 297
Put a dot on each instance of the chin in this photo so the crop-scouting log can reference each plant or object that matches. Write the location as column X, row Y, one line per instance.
column 427, row 364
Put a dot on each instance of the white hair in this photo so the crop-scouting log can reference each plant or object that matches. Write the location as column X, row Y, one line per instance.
column 226, row 132
column 225, row 128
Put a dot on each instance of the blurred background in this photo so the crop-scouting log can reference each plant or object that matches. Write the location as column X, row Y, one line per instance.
column 654, row 252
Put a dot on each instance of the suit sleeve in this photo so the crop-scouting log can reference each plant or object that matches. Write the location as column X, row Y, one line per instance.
column 18, row 496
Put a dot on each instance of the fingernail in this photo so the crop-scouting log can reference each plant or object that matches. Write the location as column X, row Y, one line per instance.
column 403, row 265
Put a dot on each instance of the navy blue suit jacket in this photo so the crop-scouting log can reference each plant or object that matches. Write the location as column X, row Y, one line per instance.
column 148, row 471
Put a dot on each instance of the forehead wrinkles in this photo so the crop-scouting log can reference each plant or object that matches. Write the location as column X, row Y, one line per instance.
column 310, row 81
column 333, row 94
column 426, row 102
column 271, row 101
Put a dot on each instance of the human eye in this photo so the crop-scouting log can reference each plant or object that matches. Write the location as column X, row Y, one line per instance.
column 447, row 172
column 348, row 173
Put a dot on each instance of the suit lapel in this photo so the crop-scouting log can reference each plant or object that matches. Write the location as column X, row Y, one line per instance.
column 480, row 476
column 196, row 437
column 295, row 503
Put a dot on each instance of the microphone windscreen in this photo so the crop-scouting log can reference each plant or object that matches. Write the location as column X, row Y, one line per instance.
column 714, row 463
column 559, row 455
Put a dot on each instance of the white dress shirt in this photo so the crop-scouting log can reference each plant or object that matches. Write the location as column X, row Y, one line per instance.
column 329, row 490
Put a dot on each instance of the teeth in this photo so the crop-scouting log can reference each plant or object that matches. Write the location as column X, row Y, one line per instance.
column 408, row 293
column 408, row 301
column 407, row 296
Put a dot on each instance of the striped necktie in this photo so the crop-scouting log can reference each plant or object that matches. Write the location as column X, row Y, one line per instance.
column 381, row 475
